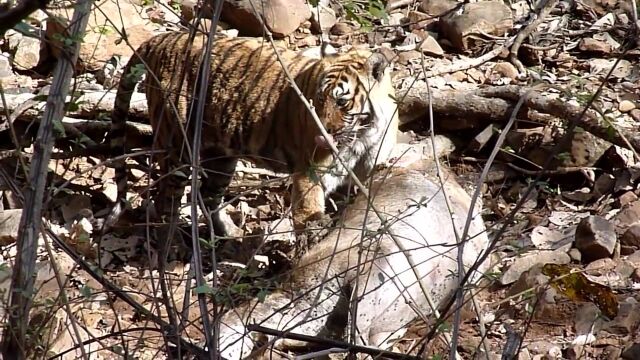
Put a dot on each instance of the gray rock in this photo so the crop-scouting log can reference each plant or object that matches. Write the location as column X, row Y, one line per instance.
column 631, row 237
column 27, row 53
column 5, row 66
column 632, row 352
column 604, row 184
column 438, row 7
column 322, row 18
column 341, row 28
column 586, row 319
column 627, row 321
column 528, row 261
column 9, row 225
column 489, row 17
column 281, row 17
column 595, row 238
column 575, row 255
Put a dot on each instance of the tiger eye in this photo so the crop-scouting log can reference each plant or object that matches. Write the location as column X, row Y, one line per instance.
column 342, row 102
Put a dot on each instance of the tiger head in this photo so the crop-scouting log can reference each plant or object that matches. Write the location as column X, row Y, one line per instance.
column 355, row 95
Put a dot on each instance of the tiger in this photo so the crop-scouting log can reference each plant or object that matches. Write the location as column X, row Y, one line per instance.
column 252, row 111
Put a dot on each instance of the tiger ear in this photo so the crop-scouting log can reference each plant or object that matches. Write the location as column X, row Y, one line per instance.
column 376, row 65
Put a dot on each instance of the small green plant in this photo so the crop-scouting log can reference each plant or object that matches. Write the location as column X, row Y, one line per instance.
column 365, row 12
column 104, row 29
column 68, row 40
column 137, row 72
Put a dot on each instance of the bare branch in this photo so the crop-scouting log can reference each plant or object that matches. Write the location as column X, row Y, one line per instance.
column 13, row 16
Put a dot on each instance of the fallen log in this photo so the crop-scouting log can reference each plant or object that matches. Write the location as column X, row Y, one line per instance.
column 472, row 108
column 392, row 272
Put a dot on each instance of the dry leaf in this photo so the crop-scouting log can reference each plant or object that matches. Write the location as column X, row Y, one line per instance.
column 577, row 287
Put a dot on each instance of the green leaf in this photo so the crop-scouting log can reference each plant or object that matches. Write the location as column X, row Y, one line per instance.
column 86, row 291
column 72, row 106
column 59, row 128
column 204, row 289
column 262, row 295
column 27, row 30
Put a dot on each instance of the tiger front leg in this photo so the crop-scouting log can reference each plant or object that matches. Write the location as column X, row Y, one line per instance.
column 307, row 201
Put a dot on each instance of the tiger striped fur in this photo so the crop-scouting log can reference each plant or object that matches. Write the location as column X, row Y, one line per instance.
column 252, row 111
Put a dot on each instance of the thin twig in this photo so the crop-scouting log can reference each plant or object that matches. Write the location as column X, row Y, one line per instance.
column 524, row 33
column 18, row 13
column 376, row 353
column 22, row 281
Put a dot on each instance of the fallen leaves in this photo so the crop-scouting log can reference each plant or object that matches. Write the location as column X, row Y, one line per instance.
column 577, row 287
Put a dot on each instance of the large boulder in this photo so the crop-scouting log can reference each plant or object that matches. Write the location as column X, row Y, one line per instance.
column 281, row 17
column 485, row 17
column 103, row 38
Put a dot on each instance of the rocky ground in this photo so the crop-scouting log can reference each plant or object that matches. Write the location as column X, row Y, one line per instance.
column 561, row 197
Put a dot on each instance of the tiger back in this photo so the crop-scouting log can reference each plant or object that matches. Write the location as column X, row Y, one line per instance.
column 251, row 110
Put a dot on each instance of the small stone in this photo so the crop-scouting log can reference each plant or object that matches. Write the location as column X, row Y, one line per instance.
column 631, row 237
column 489, row 17
column 626, row 106
column 480, row 140
column 632, row 352
column 635, row 276
column 506, row 69
column 397, row 19
column 526, row 262
column 625, row 268
column 634, row 259
column 430, row 46
column 635, row 114
column 9, row 224
column 628, row 215
column 281, row 17
column 341, row 28
column 626, row 198
column 604, row 184
column 405, row 57
column 419, row 20
column 594, row 46
column 600, row 267
column 438, row 8
column 27, row 53
column 307, row 41
column 595, row 238
column 575, row 352
column 322, row 18
column 5, row 66
column 587, row 316
column 627, row 321
column 575, row 255
column 540, row 347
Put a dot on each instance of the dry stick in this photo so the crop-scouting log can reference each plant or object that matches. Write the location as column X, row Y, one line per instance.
column 197, row 115
column 524, row 33
column 123, row 295
column 63, row 296
column 448, row 339
column 467, row 63
column 15, row 15
column 374, row 352
column 564, row 110
column 22, row 280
